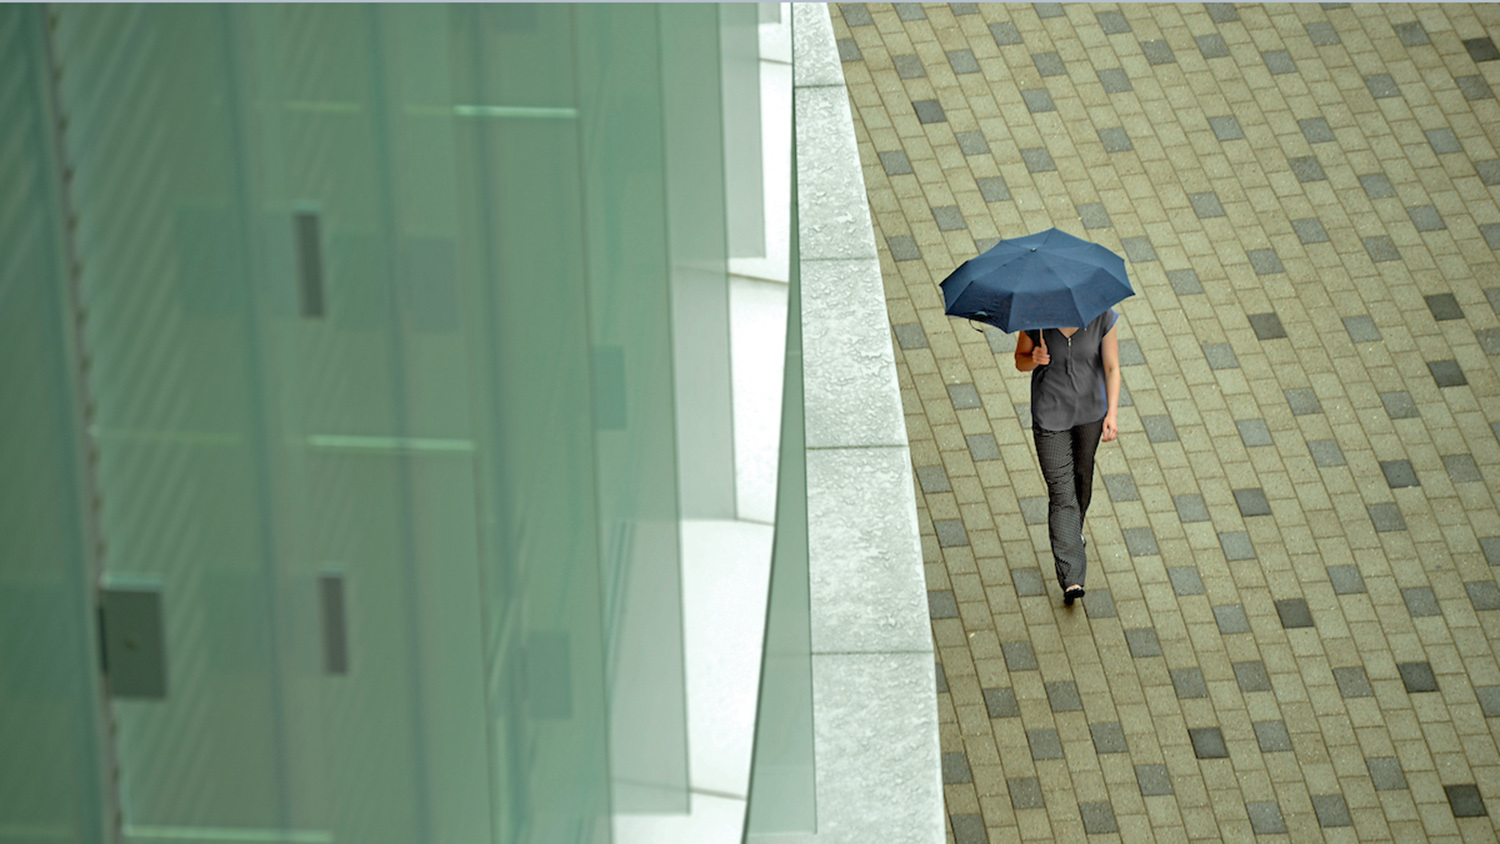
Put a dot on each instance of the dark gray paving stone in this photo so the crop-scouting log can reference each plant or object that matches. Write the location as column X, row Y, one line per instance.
column 1322, row 34
column 1028, row 583
column 1034, row 510
column 933, row 479
column 1002, row 703
column 1109, row 737
column 956, row 769
column 1484, row 595
column 1326, row 454
column 1489, row 700
column 1346, row 580
column 1362, row 329
column 1130, row 352
column 1465, row 801
column 1226, row 128
column 1038, row 100
column 1310, row 230
column 1303, row 402
column 949, row 218
column 1267, row 326
column 1490, row 545
column 1331, row 810
column 1159, row 429
column 1019, row 656
column 941, row 604
column 1222, row 12
column 1482, row 49
column 993, row 188
column 1265, row 261
column 964, row 397
column 1252, row 677
column 1026, row 793
column 1489, row 340
column 983, row 447
column 1294, row 613
column 1231, row 619
column 1491, row 233
column 1236, row 545
column 1444, row 141
column 1398, row 473
column 1279, row 61
column 1399, row 405
column 1474, row 87
column 1045, row 744
column 1426, row 218
column 1140, row 542
column 930, row 111
column 1113, row 23
column 1138, row 249
column 1461, row 468
column 1062, row 696
column 1385, row 773
column 969, row 829
column 1382, row 86
column 1352, row 681
column 911, row 336
column 1489, row 171
column 1185, row 282
column 1381, row 248
column 1158, row 52
column 1049, row 64
column 895, row 163
column 942, row 679
column 1421, row 602
column 1252, row 502
column 849, row 50
column 962, row 61
column 972, row 143
column 1049, row 10
column 1143, row 642
column 1005, row 33
column 951, row 533
column 1099, row 817
column 903, row 248
column 1387, row 517
column 1188, row 683
column 1254, row 432
column 1272, row 736
column 961, row 9
column 909, row 67
column 1115, row 140
column 1330, row 6
column 1377, row 185
column 1099, row 603
column 856, row 14
column 1153, row 780
column 1316, row 130
column 1185, row 580
column 1121, row 487
column 1212, row 46
column 1206, row 205
column 910, row 11
column 1447, row 373
column 1190, row 508
column 1417, row 677
column 1115, row 81
column 1220, row 356
column 1208, row 743
column 1038, row 160
column 1265, row 818
column 1411, row 34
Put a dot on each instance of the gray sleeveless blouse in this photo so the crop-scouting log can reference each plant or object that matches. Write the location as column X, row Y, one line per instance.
column 1070, row 390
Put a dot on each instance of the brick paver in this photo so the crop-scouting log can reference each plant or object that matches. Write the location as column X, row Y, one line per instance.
column 1292, row 621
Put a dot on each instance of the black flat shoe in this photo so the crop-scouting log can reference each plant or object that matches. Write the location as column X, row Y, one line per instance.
column 1071, row 594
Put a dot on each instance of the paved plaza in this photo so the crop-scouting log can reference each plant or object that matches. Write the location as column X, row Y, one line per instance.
column 1292, row 621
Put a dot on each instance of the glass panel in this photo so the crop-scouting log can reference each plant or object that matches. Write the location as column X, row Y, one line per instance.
column 50, row 769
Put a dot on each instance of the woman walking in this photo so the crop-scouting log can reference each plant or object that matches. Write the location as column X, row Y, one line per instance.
column 1075, row 398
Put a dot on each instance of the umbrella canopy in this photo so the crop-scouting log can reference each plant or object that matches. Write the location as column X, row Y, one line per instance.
column 1050, row 279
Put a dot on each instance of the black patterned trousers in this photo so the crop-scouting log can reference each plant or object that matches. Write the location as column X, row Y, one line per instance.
column 1067, row 459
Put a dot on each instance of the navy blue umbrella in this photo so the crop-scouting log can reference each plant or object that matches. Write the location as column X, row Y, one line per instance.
column 1046, row 280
